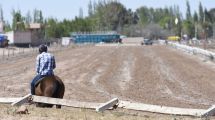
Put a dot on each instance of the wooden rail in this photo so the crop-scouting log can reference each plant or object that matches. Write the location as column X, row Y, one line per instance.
column 161, row 109
column 100, row 107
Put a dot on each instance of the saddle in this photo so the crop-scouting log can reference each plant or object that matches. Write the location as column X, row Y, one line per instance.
column 41, row 79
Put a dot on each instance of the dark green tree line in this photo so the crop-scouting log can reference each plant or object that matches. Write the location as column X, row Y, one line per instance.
column 111, row 15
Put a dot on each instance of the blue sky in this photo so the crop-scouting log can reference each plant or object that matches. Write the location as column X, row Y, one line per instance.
column 70, row 8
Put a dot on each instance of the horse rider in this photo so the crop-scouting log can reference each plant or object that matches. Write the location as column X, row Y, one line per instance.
column 45, row 64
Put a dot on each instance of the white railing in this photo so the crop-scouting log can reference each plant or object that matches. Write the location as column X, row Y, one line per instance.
column 192, row 50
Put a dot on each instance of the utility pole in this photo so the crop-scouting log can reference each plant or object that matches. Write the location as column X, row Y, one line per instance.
column 214, row 31
column 204, row 44
column 1, row 27
column 195, row 31
column 205, row 35
column 176, row 23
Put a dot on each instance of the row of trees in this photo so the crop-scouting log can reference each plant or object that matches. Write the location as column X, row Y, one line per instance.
column 19, row 21
column 111, row 15
column 201, row 23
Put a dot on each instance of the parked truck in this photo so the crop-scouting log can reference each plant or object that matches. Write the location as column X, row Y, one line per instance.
column 3, row 41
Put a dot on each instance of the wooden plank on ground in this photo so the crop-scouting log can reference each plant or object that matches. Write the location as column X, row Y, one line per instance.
column 107, row 105
column 64, row 102
column 161, row 109
column 9, row 100
column 111, row 103
column 22, row 100
column 209, row 112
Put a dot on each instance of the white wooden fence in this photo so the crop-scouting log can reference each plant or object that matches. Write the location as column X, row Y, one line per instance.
column 6, row 53
column 192, row 50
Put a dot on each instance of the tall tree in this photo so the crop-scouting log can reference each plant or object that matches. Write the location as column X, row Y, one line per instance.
column 201, row 13
column 135, row 18
column 51, row 30
column 18, row 21
column 143, row 12
column 208, row 16
column 1, row 14
column 207, row 25
column 188, row 28
column 7, row 26
column 28, row 18
column 90, row 8
column 94, row 6
column 110, row 15
column 1, row 20
column 37, row 16
column 212, row 14
column 195, row 17
column 81, row 14
column 40, row 17
column 188, row 13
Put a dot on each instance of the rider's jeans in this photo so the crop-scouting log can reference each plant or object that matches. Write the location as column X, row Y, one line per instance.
column 33, row 82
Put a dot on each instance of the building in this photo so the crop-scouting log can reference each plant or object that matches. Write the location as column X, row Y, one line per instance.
column 65, row 41
column 33, row 36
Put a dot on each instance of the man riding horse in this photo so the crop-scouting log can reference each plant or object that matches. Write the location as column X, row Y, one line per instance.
column 45, row 64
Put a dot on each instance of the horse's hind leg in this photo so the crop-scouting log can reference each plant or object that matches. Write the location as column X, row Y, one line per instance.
column 48, row 93
column 60, row 94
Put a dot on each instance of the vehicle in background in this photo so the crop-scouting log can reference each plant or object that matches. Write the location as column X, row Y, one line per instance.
column 3, row 41
column 173, row 38
column 147, row 42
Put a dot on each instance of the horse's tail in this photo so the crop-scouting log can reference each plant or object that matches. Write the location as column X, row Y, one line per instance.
column 59, row 91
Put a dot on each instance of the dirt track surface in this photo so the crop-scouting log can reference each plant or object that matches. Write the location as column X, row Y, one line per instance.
column 148, row 74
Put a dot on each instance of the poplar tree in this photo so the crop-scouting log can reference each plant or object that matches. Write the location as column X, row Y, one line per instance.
column 188, row 13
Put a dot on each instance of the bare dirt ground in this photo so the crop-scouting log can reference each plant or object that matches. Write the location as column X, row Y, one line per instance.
column 148, row 74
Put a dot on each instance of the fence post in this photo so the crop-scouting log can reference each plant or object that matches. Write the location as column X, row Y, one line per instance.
column 3, row 53
column 13, row 52
column 8, row 52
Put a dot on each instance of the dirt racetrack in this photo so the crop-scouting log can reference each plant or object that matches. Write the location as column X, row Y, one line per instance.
column 148, row 74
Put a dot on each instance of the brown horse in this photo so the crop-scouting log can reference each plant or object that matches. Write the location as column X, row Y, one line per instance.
column 51, row 86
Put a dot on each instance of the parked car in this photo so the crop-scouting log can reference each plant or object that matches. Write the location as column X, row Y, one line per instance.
column 147, row 42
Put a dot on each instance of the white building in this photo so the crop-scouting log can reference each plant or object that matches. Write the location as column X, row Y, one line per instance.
column 10, row 37
column 1, row 27
column 66, row 41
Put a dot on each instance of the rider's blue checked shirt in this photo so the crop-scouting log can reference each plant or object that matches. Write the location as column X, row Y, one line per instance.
column 45, row 64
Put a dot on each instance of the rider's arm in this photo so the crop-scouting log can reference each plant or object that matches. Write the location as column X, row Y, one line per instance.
column 38, row 64
column 54, row 64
